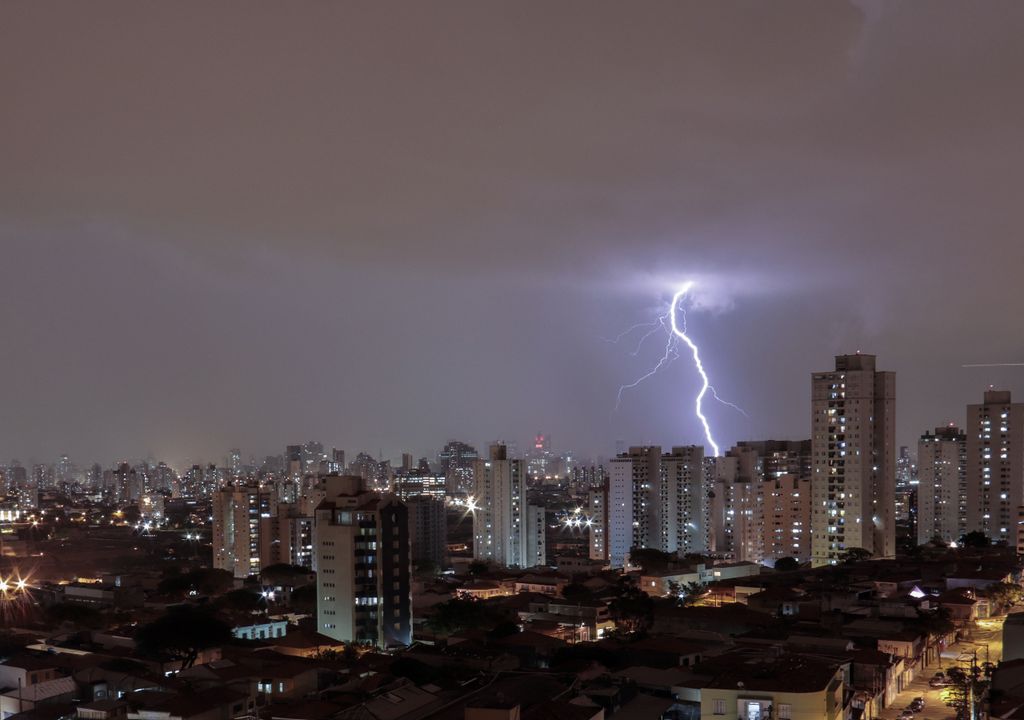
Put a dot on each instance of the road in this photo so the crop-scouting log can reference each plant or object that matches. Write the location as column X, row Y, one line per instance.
column 988, row 633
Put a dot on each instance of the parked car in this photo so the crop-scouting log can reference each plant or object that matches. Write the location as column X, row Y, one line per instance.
column 917, row 704
column 907, row 714
column 937, row 682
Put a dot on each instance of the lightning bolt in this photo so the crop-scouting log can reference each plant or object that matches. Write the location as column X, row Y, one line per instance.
column 673, row 324
column 680, row 332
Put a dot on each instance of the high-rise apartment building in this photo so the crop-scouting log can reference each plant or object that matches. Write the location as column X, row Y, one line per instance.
column 286, row 537
column 738, row 506
column 761, row 501
column 683, row 494
column 506, row 529
column 597, row 515
column 456, row 460
column 238, row 512
column 655, row 500
column 854, row 459
column 419, row 482
column 941, row 485
column 361, row 540
column 995, row 465
column 423, row 492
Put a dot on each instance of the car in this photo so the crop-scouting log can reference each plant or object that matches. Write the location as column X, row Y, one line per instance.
column 939, row 674
column 917, row 704
column 937, row 683
column 907, row 714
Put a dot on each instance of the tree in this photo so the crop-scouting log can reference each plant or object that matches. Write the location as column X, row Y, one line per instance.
column 651, row 559
column 692, row 592
column 787, row 564
column 181, row 634
column 455, row 615
column 975, row 539
column 632, row 608
column 240, row 601
column 855, row 555
column 935, row 624
column 478, row 567
column 285, row 575
column 304, row 599
column 1004, row 595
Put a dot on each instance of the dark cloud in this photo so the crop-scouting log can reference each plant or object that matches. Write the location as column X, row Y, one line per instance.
column 383, row 224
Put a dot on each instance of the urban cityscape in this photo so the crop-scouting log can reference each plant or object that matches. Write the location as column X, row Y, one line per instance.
column 512, row 362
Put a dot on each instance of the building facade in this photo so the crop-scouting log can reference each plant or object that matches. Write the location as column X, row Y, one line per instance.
column 363, row 553
column 853, row 460
column 942, row 485
column 506, row 529
column 995, row 464
column 238, row 512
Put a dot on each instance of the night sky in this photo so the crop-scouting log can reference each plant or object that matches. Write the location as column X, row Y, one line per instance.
column 382, row 225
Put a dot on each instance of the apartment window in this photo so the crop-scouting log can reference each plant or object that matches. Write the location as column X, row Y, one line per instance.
column 785, row 712
column 719, row 708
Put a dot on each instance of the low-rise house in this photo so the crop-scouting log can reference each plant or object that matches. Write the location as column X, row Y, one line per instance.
column 548, row 584
column 780, row 600
column 213, row 704
column 25, row 670
column 483, row 590
column 47, row 691
column 749, row 686
column 978, row 576
column 658, row 583
column 964, row 605
column 876, row 677
column 582, row 621
column 108, row 709
column 261, row 631
column 1013, row 637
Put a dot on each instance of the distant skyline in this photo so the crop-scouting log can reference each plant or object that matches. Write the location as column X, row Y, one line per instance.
column 386, row 225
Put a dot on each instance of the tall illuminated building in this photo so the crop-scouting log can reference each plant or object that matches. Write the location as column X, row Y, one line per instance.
column 506, row 529
column 361, row 541
column 655, row 500
column 761, row 501
column 995, row 465
column 738, row 506
column 239, row 512
column 235, row 462
column 423, row 492
column 941, row 485
column 853, row 458
column 597, row 513
column 456, row 460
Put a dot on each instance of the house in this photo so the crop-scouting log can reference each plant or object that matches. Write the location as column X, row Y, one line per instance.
column 746, row 685
column 483, row 590
column 108, row 709
column 25, row 670
column 261, row 631
column 43, row 692
column 548, row 584
column 963, row 604
column 211, row 704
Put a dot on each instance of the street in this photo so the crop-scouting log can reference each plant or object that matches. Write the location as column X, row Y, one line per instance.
column 988, row 635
